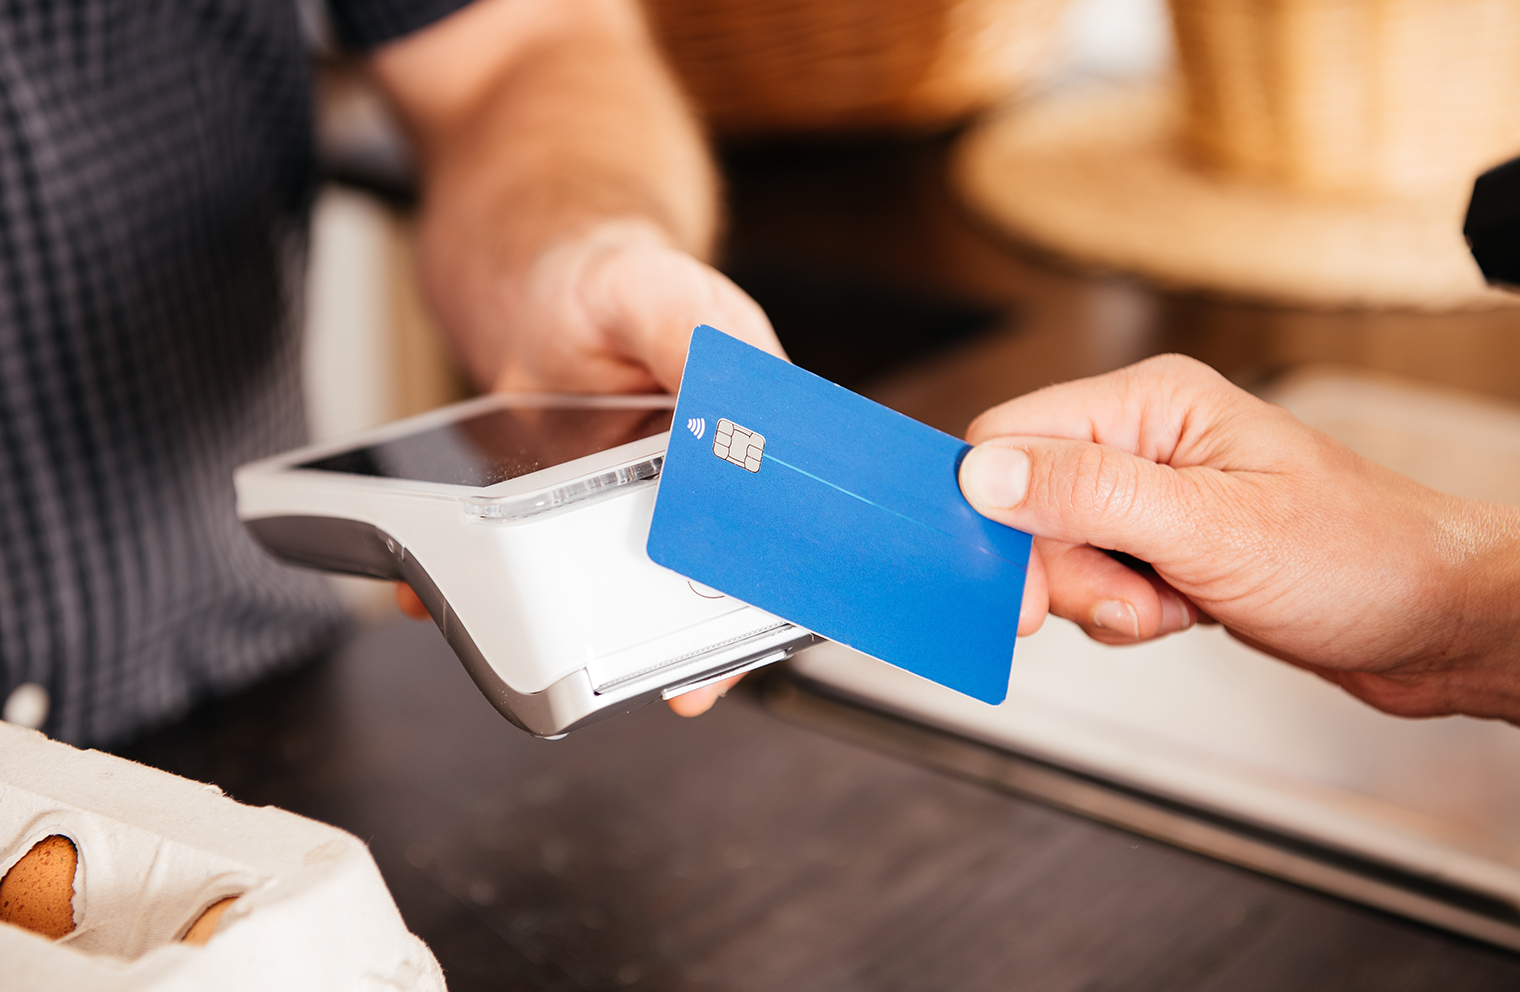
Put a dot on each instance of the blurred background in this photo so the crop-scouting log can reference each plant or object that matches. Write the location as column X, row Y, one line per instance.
column 372, row 355
column 944, row 203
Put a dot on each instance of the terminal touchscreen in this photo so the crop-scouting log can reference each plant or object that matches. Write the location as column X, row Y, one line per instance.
column 520, row 521
column 494, row 445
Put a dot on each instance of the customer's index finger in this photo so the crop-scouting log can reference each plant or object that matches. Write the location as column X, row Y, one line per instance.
column 1145, row 409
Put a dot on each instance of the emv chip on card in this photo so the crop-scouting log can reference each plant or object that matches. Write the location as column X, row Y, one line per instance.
column 811, row 502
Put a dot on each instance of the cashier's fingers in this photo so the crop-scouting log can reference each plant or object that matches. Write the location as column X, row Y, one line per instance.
column 699, row 701
column 409, row 603
column 646, row 298
column 611, row 310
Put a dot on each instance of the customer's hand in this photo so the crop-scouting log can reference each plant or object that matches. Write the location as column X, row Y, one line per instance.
column 1406, row 597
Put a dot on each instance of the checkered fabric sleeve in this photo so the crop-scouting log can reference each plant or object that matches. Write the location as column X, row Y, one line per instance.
column 156, row 173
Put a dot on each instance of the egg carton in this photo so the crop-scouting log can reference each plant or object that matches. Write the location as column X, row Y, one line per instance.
column 154, row 851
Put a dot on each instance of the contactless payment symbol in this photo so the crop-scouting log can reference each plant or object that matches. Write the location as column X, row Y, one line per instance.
column 738, row 446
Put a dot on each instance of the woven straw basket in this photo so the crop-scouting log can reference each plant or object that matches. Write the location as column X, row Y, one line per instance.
column 1316, row 152
column 1379, row 97
column 756, row 66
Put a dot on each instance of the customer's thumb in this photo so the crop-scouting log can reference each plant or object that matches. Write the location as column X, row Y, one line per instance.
column 1074, row 491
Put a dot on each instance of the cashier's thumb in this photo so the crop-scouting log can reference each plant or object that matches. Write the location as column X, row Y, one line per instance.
column 1074, row 491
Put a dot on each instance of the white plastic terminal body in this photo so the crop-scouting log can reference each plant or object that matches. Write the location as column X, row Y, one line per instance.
column 520, row 507
column 546, row 573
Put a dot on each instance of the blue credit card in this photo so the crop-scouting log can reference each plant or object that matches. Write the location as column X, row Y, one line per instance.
column 806, row 500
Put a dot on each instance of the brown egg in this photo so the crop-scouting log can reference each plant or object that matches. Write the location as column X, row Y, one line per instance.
column 38, row 892
column 205, row 925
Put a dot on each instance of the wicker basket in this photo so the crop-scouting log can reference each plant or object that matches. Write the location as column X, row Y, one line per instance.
column 1381, row 97
column 1322, row 154
column 765, row 66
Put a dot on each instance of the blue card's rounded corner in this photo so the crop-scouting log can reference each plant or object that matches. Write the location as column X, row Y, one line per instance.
column 697, row 334
column 653, row 547
column 993, row 693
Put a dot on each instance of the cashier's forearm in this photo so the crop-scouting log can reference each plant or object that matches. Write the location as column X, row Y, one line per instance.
column 539, row 121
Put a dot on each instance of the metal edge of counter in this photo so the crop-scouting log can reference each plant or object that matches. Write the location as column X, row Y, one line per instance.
column 1302, row 862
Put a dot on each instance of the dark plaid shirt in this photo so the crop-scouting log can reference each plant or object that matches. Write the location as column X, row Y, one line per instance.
column 156, row 170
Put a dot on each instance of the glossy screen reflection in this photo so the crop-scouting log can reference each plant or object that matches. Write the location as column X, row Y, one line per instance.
column 499, row 445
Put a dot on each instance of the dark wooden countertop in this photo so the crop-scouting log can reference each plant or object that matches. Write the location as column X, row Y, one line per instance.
column 740, row 851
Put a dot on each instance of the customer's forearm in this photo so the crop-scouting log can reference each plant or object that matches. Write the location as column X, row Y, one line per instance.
column 1479, row 546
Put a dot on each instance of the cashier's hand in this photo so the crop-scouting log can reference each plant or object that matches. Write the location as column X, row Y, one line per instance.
column 1407, row 598
column 568, row 198
column 611, row 310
